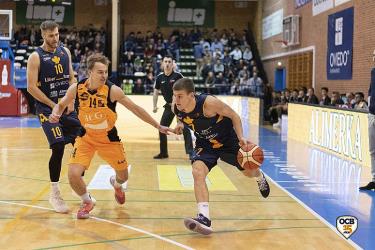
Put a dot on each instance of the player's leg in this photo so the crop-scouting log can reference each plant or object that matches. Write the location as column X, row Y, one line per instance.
column 55, row 137
column 203, row 162
column 113, row 153
column 80, row 159
column 166, row 120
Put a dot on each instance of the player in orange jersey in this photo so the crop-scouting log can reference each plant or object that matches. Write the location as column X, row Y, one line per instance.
column 96, row 98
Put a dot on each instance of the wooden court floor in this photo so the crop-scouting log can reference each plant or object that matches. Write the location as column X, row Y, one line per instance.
column 151, row 218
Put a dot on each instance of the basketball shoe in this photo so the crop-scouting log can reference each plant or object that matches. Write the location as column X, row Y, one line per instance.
column 84, row 211
column 264, row 188
column 200, row 224
column 119, row 191
column 58, row 203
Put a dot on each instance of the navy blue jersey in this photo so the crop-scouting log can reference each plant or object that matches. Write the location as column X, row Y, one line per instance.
column 210, row 131
column 53, row 77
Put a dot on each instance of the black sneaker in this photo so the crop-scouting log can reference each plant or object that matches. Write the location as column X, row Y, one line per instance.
column 369, row 186
column 160, row 156
column 200, row 224
column 264, row 188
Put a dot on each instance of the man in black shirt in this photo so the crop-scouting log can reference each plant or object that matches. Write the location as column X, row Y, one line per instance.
column 164, row 82
column 371, row 129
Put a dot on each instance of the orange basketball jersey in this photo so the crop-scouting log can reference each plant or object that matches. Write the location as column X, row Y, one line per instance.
column 96, row 112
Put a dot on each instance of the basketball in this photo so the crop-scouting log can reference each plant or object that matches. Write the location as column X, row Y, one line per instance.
column 250, row 156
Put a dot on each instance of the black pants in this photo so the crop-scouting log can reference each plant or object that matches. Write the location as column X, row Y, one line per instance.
column 166, row 120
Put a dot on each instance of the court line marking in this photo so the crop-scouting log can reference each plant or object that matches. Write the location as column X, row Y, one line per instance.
column 110, row 222
column 352, row 243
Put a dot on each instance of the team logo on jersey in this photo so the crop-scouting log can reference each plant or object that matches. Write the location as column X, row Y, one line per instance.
column 347, row 225
column 56, row 59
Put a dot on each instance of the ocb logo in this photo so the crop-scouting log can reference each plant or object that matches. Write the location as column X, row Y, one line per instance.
column 346, row 225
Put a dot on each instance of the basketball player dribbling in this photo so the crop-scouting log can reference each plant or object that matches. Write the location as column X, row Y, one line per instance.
column 219, row 134
column 96, row 98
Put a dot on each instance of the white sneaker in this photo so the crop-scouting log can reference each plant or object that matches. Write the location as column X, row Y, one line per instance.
column 58, row 203
column 277, row 124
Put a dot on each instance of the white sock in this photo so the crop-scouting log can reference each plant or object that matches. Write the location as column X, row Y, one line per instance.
column 203, row 208
column 117, row 184
column 55, row 187
column 85, row 197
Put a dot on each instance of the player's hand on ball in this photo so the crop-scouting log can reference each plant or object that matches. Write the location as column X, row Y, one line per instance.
column 243, row 141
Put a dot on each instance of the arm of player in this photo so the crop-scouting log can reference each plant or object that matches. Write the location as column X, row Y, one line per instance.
column 72, row 79
column 178, row 130
column 214, row 105
column 32, row 80
column 63, row 103
column 155, row 100
column 118, row 95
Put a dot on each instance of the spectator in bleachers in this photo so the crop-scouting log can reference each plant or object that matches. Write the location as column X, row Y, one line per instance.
column 224, row 40
column 349, row 100
column 311, row 97
column 209, row 82
column 221, row 84
column 226, row 59
column 336, row 99
column 326, row 100
column 247, row 54
column 235, row 87
column 246, row 88
column 217, row 54
column 243, row 71
column 206, row 68
column 301, row 96
column 360, row 103
column 216, row 44
column 138, row 87
column 294, row 96
column 256, row 85
column 198, row 54
column 236, row 54
column 218, row 67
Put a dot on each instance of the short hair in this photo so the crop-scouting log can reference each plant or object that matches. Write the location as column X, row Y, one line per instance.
column 48, row 25
column 324, row 88
column 168, row 56
column 97, row 57
column 360, row 94
column 184, row 84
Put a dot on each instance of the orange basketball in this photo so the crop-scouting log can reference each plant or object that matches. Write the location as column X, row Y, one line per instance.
column 250, row 156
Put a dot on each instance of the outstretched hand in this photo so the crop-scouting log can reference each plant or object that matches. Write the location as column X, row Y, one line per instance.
column 165, row 130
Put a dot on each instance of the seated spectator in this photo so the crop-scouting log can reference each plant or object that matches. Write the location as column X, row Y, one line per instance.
column 294, row 96
column 198, row 55
column 360, row 103
column 236, row 54
column 247, row 55
column 256, row 85
column 217, row 54
column 209, row 83
column 336, row 99
column 138, row 87
column 246, row 88
column 235, row 88
column 243, row 71
column 217, row 45
column 206, row 68
column 325, row 101
column 311, row 97
column 349, row 101
column 221, row 84
column 301, row 96
column 218, row 67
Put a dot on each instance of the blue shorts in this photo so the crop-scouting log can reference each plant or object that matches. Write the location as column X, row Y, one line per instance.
column 203, row 151
column 66, row 130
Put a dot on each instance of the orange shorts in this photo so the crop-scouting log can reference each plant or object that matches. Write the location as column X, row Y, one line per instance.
column 110, row 151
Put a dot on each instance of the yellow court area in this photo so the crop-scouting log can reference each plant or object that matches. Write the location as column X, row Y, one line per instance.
column 156, row 201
